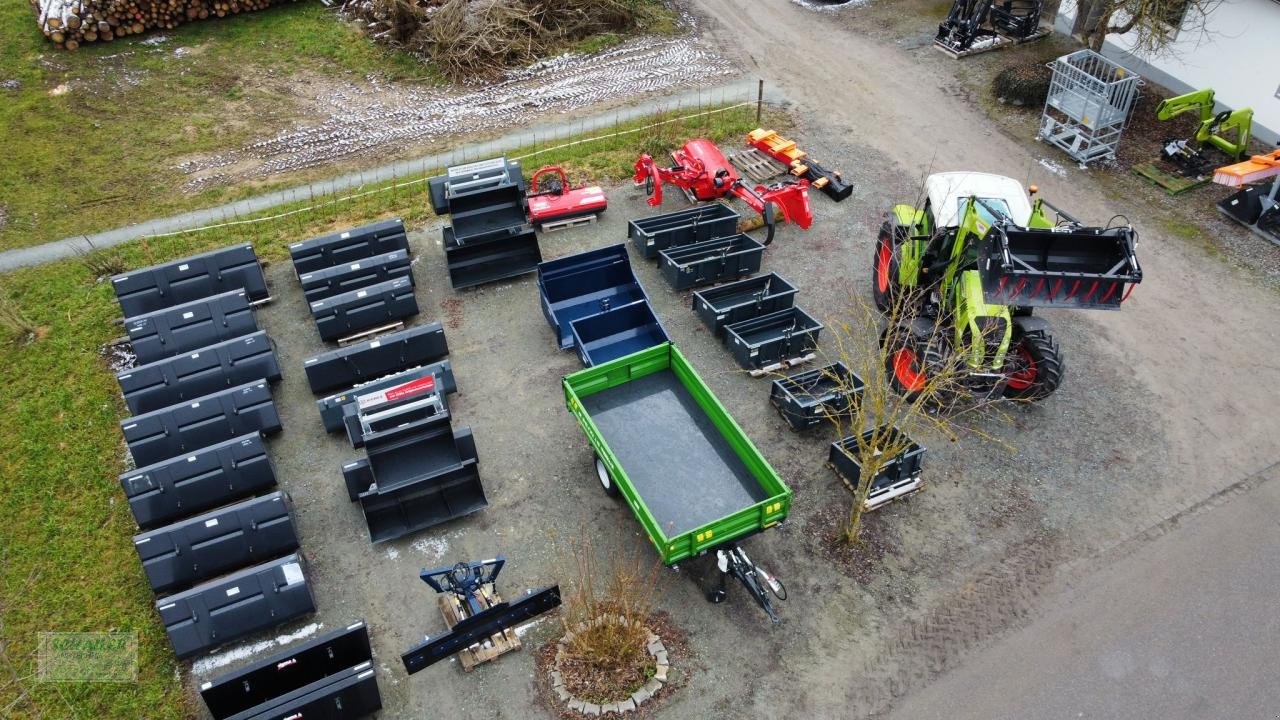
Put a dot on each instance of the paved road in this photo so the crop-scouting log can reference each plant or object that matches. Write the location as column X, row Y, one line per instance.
column 1187, row 626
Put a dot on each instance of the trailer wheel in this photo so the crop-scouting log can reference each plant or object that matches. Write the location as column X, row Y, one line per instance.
column 606, row 481
column 1037, row 367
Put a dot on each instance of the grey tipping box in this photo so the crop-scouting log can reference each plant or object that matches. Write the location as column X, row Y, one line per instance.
column 334, row 669
column 332, row 408
column 710, row 261
column 330, row 281
column 742, row 300
column 348, row 246
column 189, row 326
column 368, row 307
column 186, row 377
column 210, row 419
column 160, row 286
column 233, row 606
column 370, row 360
column 206, row 546
column 655, row 233
column 215, row 475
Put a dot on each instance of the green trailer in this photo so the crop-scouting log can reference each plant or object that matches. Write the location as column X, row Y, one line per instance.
column 693, row 479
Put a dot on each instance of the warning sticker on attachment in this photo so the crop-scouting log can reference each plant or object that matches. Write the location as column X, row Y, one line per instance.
column 292, row 573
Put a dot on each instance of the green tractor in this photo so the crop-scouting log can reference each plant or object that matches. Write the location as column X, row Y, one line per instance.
column 960, row 277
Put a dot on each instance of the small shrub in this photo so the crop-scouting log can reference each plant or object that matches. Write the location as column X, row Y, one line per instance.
column 1022, row 84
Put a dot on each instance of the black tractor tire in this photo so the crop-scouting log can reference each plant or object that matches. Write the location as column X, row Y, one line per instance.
column 910, row 361
column 1039, row 367
column 884, row 269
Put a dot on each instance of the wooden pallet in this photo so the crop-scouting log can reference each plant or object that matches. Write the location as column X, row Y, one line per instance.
column 756, row 165
column 495, row 646
column 1172, row 184
column 783, row 365
column 554, row 225
column 367, row 334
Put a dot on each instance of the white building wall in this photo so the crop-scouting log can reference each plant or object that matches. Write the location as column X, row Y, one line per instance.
column 1239, row 57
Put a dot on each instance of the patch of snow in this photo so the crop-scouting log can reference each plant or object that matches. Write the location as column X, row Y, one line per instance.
column 434, row 548
column 156, row 40
column 181, row 51
column 392, row 553
column 62, row 89
column 522, row 629
column 205, row 665
column 829, row 6
column 1053, row 167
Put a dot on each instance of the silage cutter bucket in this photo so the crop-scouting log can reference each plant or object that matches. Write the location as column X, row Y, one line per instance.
column 1083, row 268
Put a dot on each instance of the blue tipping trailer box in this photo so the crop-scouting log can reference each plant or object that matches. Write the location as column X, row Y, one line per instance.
column 577, row 286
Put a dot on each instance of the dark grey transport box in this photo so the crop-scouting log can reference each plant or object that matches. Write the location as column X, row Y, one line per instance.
column 710, row 261
column 898, row 477
column 656, row 233
column 742, row 300
column 807, row 398
column 769, row 339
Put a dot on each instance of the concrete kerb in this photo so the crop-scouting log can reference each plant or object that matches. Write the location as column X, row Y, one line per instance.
column 545, row 131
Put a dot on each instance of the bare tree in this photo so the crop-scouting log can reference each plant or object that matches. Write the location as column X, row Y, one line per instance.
column 1155, row 23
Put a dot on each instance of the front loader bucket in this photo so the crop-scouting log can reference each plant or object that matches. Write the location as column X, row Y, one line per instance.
column 1091, row 268
column 475, row 262
column 1245, row 206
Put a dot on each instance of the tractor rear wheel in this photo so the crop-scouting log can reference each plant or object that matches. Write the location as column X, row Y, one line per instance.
column 884, row 269
column 1036, row 367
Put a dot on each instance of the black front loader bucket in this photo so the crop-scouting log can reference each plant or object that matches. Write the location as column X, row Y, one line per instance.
column 507, row 255
column 1089, row 268
column 480, row 627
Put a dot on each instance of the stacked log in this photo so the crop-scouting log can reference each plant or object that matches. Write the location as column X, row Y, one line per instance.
column 70, row 23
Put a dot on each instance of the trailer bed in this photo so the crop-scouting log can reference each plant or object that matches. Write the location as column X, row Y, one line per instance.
column 656, row 411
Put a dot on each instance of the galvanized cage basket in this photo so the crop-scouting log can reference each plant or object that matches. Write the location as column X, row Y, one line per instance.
column 1088, row 105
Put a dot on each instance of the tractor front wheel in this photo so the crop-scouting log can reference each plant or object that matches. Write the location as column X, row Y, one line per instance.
column 884, row 270
column 1036, row 367
column 911, row 362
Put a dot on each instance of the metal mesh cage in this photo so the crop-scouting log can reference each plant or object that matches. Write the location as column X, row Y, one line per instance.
column 1088, row 104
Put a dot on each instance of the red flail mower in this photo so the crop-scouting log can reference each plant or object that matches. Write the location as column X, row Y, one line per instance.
column 551, row 198
column 702, row 170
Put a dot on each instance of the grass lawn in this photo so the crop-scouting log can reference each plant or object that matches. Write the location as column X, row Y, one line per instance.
column 66, row 558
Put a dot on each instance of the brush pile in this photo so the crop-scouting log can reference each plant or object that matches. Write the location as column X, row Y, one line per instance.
column 70, row 23
column 1023, row 84
column 470, row 40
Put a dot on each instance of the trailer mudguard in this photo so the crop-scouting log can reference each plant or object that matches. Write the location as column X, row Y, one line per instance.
column 348, row 246
column 231, row 607
column 333, row 409
column 217, row 417
column 190, row 326
column 742, row 300
column 181, row 486
column 584, row 284
column 478, row 627
column 653, row 234
column 370, row 360
column 202, row 372
column 339, row 279
column 180, row 281
column 206, row 546
column 278, row 684
column 351, row 312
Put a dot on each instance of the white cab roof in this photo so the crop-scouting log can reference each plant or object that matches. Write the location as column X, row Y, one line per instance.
column 946, row 190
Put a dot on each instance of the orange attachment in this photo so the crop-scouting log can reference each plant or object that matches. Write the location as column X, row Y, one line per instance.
column 1255, row 169
column 779, row 147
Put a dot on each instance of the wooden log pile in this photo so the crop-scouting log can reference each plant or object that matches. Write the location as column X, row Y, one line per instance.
column 70, row 23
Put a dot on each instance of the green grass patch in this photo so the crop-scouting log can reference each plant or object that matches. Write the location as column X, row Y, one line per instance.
column 66, row 558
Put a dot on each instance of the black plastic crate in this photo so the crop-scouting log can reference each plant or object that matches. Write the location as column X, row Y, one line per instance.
column 206, row 546
column 339, row 279
column 656, row 233
column 502, row 255
column 348, row 246
column 190, row 326
column 207, row 478
column 710, row 261
column 584, row 284
column 742, row 300
column 1081, row 268
column 160, row 286
column 621, row 331
column 214, row 418
column 807, row 398
column 372, row 359
column 351, row 312
column 769, row 339
column 294, row 681
column 898, row 477
column 334, row 409
column 186, row 377
column 231, row 607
